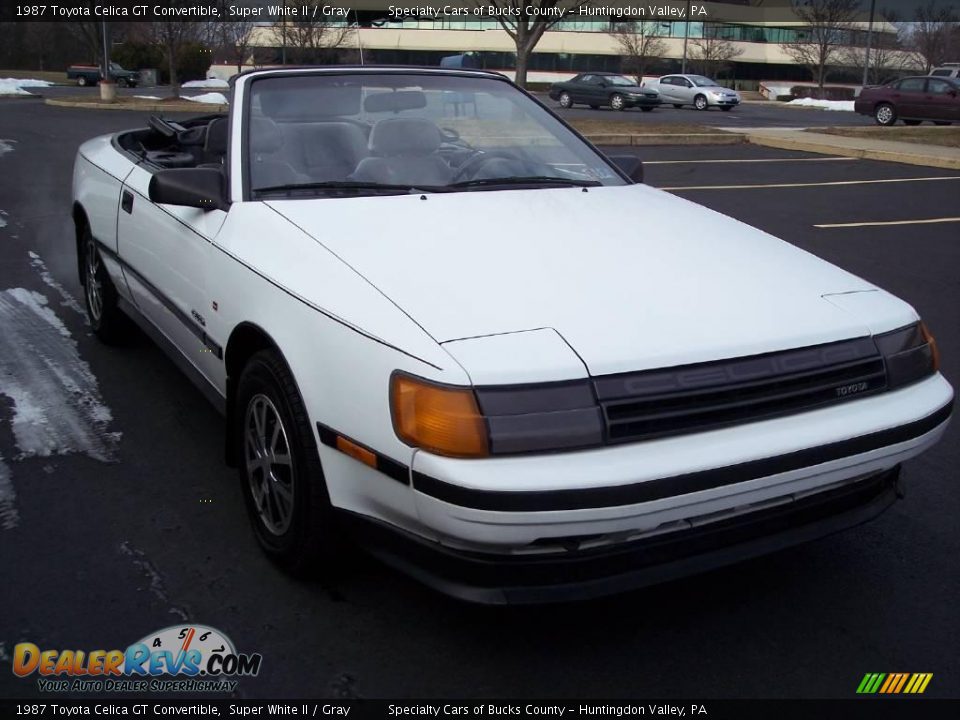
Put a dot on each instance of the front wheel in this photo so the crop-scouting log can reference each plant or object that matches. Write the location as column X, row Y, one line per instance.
column 617, row 102
column 280, row 473
column 565, row 100
column 700, row 102
column 884, row 114
column 82, row 81
column 100, row 296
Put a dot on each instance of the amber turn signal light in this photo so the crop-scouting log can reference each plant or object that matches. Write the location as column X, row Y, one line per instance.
column 438, row 418
column 934, row 350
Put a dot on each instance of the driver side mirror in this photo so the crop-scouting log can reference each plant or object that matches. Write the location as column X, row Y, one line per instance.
column 631, row 165
column 202, row 188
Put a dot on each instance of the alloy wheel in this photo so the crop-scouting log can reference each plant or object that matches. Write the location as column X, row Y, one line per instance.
column 94, row 286
column 269, row 464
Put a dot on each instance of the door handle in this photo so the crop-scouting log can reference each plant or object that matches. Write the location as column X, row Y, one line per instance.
column 126, row 201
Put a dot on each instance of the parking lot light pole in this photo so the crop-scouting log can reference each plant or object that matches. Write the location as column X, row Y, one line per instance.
column 686, row 34
column 866, row 61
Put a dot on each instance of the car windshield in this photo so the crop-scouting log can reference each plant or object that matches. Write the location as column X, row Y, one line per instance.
column 367, row 133
column 619, row 80
column 701, row 81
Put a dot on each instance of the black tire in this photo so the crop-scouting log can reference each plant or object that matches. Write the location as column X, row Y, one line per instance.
column 82, row 81
column 912, row 123
column 646, row 109
column 107, row 320
column 618, row 102
column 311, row 542
column 726, row 108
column 123, row 82
column 677, row 106
column 885, row 114
column 700, row 102
column 565, row 100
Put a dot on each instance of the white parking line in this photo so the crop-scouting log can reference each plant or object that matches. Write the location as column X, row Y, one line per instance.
column 925, row 221
column 814, row 184
column 751, row 160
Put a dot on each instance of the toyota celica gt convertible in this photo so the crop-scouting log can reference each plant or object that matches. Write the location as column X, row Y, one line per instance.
column 440, row 322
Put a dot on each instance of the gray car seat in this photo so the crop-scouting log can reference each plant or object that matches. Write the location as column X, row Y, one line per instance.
column 404, row 152
column 329, row 150
column 268, row 165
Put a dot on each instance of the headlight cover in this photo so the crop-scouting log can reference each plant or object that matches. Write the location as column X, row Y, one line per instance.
column 909, row 353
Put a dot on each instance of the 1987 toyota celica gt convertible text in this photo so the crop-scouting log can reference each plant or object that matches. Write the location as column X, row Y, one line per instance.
column 462, row 339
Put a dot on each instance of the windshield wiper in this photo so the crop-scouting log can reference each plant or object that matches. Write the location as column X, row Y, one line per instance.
column 528, row 180
column 349, row 185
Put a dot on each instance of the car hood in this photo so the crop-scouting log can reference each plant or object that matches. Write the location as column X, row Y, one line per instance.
column 630, row 277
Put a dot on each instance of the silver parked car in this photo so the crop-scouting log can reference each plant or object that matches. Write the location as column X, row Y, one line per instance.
column 697, row 90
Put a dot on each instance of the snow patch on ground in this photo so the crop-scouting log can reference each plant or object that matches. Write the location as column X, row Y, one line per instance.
column 9, row 517
column 3, row 222
column 6, row 146
column 209, row 83
column 843, row 105
column 14, row 86
column 57, row 406
column 147, row 97
column 66, row 299
column 214, row 98
column 157, row 586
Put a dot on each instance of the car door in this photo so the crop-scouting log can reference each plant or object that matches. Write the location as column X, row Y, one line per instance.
column 684, row 90
column 166, row 251
column 665, row 88
column 941, row 101
column 583, row 89
column 908, row 98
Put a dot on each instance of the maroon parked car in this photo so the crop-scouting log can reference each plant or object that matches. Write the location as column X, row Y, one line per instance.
column 913, row 100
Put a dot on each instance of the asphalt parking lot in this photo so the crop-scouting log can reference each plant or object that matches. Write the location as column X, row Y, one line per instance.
column 102, row 553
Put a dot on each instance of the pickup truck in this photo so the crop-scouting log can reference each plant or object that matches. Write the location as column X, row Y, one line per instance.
column 91, row 75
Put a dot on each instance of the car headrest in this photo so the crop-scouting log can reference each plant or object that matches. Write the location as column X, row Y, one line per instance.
column 404, row 136
column 265, row 136
column 298, row 98
column 395, row 101
column 217, row 136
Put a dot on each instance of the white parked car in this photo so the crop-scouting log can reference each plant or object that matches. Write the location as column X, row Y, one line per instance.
column 701, row 92
column 465, row 339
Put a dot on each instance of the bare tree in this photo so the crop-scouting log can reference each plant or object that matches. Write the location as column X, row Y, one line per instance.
column 312, row 36
column 526, row 21
column 933, row 37
column 711, row 54
column 639, row 43
column 173, row 38
column 233, row 37
column 825, row 32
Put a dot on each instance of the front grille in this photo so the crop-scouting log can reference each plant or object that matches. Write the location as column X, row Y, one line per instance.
column 690, row 398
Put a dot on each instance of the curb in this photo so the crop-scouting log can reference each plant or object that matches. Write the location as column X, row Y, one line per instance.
column 666, row 139
column 146, row 107
column 813, row 146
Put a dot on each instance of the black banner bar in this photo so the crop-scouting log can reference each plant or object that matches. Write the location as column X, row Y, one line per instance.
column 866, row 708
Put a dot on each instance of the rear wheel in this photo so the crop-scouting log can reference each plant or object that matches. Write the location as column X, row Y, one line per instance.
column 81, row 81
column 700, row 102
column 280, row 473
column 617, row 102
column 100, row 296
column 884, row 114
column 565, row 100
column 912, row 122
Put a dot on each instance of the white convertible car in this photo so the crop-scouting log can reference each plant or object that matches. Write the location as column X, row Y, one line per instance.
column 439, row 321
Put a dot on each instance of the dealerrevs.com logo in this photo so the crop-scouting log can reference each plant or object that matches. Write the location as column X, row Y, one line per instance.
column 180, row 658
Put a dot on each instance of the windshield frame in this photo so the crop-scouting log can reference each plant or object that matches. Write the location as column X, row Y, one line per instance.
column 245, row 107
column 628, row 83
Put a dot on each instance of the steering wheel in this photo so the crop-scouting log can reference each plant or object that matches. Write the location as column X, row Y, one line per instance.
column 471, row 166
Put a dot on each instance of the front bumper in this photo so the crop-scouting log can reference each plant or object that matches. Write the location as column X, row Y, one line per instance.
column 724, row 101
column 583, row 574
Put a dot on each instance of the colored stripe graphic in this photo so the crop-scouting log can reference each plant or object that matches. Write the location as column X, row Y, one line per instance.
column 894, row 683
